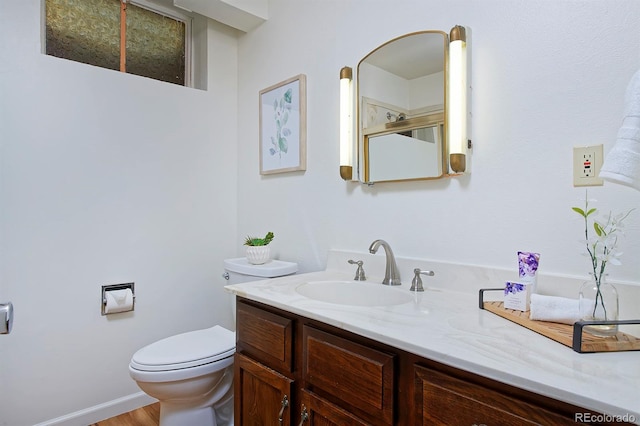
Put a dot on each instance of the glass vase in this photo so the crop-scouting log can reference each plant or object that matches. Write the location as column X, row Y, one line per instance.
column 599, row 302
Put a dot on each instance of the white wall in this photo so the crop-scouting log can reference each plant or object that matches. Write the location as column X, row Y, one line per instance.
column 547, row 76
column 384, row 86
column 426, row 92
column 108, row 178
column 105, row 178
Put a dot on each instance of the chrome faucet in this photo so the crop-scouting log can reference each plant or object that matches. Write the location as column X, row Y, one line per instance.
column 391, row 273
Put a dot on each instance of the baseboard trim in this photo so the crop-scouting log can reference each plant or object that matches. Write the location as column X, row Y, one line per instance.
column 102, row 411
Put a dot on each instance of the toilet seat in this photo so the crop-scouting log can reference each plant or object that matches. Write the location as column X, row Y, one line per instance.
column 186, row 350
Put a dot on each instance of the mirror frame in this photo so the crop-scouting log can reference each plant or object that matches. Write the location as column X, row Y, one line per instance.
column 362, row 139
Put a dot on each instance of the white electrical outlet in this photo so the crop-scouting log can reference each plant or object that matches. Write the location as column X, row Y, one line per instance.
column 587, row 161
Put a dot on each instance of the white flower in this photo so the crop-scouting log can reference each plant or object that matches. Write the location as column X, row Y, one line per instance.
column 601, row 247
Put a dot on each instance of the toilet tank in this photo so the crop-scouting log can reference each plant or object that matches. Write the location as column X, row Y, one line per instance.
column 239, row 270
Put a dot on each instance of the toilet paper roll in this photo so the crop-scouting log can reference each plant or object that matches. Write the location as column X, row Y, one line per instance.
column 118, row 301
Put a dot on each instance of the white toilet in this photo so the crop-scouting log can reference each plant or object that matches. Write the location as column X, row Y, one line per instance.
column 191, row 374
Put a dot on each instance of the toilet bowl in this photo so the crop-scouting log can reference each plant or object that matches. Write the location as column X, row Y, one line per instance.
column 191, row 374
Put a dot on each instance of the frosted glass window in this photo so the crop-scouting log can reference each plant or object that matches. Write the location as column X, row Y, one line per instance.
column 85, row 31
column 155, row 45
column 89, row 31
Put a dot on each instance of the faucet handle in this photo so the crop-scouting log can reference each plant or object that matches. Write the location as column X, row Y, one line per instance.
column 360, row 271
column 416, row 283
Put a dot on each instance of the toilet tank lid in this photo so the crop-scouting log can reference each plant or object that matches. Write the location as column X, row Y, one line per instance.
column 273, row 268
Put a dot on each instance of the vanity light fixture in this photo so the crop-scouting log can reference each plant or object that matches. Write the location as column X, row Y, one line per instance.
column 457, row 101
column 346, row 124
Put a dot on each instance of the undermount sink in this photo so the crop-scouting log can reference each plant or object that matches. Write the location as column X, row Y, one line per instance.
column 355, row 293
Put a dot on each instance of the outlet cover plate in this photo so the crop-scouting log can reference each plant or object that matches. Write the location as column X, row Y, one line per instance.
column 587, row 161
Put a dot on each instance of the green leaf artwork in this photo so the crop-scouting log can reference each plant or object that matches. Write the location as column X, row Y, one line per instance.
column 281, row 108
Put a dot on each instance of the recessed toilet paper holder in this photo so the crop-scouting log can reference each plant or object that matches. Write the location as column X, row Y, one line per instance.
column 113, row 287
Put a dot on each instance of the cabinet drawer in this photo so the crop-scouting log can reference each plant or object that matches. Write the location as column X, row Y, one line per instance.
column 265, row 336
column 316, row 411
column 358, row 378
column 445, row 400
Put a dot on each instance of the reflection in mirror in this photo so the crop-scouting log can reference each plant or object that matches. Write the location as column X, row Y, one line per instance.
column 407, row 153
column 401, row 104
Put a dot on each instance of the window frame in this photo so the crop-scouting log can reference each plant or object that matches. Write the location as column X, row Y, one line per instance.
column 153, row 7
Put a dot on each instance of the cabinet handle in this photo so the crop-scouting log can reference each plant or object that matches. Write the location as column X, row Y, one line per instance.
column 285, row 404
column 304, row 416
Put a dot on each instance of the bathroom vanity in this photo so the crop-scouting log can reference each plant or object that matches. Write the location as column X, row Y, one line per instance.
column 292, row 368
column 410, row 358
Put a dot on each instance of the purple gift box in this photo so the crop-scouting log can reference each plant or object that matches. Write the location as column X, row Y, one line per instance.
column 517, row 295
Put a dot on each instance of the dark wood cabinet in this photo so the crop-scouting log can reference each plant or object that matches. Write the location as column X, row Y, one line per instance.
column 316, row 411
column 443, row 400
column 333, row 377
column 262, row 395
column 265, row 336
column 352, row 375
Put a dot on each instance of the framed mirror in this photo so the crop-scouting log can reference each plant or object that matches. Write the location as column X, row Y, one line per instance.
column 401, row 98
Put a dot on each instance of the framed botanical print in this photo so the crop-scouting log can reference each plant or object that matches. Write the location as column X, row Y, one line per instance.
column 283, row 126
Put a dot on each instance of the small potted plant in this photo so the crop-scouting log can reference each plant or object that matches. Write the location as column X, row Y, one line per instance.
column 258, row 249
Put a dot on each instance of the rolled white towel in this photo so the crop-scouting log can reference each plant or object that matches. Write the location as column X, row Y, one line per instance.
column 554, row 309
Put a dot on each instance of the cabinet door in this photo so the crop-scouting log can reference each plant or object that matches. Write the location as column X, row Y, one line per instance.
column 353, row 376
column 445, row 400
column 316, row 411
column 262, row 395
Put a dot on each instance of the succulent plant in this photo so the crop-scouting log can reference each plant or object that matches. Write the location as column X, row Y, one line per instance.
column 253, row 241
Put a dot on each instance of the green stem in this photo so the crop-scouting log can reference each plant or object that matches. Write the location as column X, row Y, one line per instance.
column 599, row 291
column 597, row 275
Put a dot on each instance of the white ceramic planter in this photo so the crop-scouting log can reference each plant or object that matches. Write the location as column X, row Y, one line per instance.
column 257, row 255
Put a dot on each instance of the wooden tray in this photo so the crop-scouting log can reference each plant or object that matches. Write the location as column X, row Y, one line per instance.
column 568, row 335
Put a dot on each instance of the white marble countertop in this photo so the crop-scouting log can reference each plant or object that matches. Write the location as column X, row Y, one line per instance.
column 448, row 327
